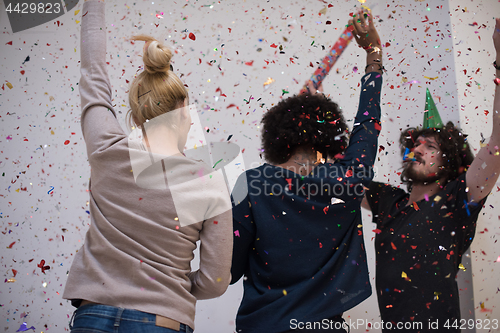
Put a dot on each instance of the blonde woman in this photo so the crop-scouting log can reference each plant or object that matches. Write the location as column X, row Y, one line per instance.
column 147, row 210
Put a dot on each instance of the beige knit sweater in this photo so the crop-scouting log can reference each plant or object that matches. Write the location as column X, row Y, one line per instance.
column 136, row 254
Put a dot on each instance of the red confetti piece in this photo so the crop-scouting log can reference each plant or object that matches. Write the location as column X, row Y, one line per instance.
column 8, row 43
column 249, row 63
column 339, row 156
column 320, row 245
column 42, row 266
column 192, row 36
column 66, row 142
column 11, row 244
column 393, row 246
column 348, row 173
column 377, row 231
column 14, row 271
column 377, row 126
column 325, row 210
column 273, row 45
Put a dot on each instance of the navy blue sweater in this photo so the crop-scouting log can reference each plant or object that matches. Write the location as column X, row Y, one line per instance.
column 298, row 240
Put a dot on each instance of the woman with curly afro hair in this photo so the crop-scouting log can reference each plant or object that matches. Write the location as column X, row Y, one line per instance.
column 297, row 223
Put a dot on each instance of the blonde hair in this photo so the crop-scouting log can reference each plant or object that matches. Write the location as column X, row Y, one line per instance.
column 156, row 90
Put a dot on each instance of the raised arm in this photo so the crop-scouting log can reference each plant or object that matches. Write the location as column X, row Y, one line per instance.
column 99, row 125
column 484, row 170
column 362, row 147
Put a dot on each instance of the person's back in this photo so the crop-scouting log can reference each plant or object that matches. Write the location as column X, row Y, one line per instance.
column 133, row 272
column 297, row 224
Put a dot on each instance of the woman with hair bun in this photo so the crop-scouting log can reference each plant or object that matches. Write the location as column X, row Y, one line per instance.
column 149, row 204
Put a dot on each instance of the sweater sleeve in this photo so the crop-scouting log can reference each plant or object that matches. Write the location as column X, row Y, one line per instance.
column 99, row 124
column 216, row 242
column 212, row 278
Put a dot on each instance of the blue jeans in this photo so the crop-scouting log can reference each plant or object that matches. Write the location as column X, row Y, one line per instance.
column 97, row 318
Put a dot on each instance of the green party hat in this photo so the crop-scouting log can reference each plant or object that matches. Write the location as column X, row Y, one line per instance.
column 431, row 114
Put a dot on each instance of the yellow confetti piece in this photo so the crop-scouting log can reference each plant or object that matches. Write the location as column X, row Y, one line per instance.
column 462, row 267
column 403, row 275
column 11, row 280
column 437, row 198
column 77, row 21
column 410, row 155
column 77, row 11
column 10, row 85
column 284, row 292
column 431, row 78
column 323, row 11
column 268, row 81
column 17, row 190
column 362, row 1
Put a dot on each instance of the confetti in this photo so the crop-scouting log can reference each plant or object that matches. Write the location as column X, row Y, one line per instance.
column 268, row 81
column 24, row 327
column 192, row 36
column 42, row 266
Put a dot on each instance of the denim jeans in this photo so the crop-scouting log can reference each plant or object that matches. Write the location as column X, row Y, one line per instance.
column 97, row 318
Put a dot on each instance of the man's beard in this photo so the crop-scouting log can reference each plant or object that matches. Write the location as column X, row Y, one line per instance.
column 418, row 178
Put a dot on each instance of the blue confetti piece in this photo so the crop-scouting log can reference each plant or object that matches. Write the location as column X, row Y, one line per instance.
column 466, row 207
column 51, row 190
column 24, row 327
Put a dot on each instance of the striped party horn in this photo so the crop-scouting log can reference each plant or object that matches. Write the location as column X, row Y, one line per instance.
column 330, row 59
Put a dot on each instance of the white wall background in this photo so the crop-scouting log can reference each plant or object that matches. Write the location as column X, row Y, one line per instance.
column 43, row 167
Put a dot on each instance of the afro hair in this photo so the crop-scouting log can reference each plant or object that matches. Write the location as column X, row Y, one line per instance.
column 303, row 121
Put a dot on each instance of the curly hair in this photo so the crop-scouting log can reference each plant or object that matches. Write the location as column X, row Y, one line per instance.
column 456, row 152
column 303, row 121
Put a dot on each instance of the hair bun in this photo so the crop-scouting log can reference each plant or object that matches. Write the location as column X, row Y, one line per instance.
column 156, row 56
